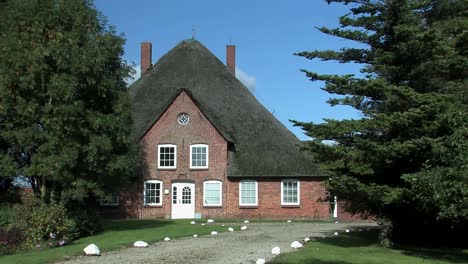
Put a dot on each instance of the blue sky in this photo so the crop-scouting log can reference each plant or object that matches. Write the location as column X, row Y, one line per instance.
column 266, row 34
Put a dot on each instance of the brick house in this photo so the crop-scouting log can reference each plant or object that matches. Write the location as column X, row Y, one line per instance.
column 210, row 149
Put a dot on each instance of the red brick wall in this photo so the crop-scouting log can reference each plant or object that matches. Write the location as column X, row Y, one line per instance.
column 313, row 203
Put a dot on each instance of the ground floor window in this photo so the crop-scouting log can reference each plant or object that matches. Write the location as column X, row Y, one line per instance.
column 290, row 192
column 152, row 192
column 110, row 200
column 212, row 193
column 248, row 193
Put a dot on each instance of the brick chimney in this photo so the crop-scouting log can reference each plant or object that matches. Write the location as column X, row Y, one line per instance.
column 146, row 48
column 231, row 58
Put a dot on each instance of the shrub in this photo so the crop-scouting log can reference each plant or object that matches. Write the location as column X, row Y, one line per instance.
column 41, row 222
column 87, row 217
column 10, row 240
column 6, row 216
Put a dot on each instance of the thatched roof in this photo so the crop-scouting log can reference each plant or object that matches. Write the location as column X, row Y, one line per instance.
column 260, row 144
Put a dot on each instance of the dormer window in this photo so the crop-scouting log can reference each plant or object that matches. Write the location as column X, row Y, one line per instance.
column 183, row 119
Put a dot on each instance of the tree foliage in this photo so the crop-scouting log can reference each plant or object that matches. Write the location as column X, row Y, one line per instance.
column 406, row 159
column 64, row 110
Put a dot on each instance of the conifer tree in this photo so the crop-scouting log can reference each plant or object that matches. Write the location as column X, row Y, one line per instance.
column 405, row 161
column 64, row 110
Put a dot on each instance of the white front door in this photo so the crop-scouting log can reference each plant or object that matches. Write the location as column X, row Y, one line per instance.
column 183, row 200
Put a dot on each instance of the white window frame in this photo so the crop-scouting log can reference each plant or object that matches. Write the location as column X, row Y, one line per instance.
column 159, row 156
column 298, row 192
column 207, row 156
column 160, row 192
column 220, row 193
column 256, row 193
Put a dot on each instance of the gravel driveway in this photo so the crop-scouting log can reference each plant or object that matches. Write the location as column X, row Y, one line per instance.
column 225, row 248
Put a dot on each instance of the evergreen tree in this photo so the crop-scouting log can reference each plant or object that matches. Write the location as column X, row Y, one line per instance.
column 405, row 161
column 64, row 110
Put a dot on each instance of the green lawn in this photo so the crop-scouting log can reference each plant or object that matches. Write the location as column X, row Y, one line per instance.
column 360, row 247
column 117, row 234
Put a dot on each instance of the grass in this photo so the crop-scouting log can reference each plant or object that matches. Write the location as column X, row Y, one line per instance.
column 117, row 234
column 361, row 247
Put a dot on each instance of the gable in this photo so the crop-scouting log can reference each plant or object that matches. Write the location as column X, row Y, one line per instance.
column 262, row 146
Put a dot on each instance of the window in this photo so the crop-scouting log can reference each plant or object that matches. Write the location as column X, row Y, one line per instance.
column 248, row 193
column 212, row 193
column 111, row 200
column 183, row 119
column 199, row 156
column 290, row 192
column 152, row 192
column 167, row 156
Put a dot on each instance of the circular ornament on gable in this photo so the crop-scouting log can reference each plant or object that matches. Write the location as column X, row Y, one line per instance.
column 183, row 119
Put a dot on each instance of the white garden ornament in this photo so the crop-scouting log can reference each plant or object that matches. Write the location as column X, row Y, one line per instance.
column 260, row 261
column 296, row 244
column 306, row 239
column 167, row 239
column 193, row 222
column 289, row 221
column 347, row 230
column 195, row 235
column 92, row 250
column 336, row 233
column 210, row 221
column 275, row 251
column 140, row 244
column 246, row 222
column 231, row 229
column 214, row 232
column 203, row 224
column 244, row 228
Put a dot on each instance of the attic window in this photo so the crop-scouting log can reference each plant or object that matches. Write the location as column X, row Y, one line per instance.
column 183, row 119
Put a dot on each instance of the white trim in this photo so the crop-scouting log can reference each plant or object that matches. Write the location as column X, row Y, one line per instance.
column 220, row 193
column 207, row 156
column 160, row 192
column 298, row 192
column 159, row 156
column 256, row 193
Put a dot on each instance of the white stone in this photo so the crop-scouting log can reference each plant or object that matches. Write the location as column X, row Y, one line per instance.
column 195, row 235
column 347, row 230
column 203, row 224
column 260, row 261
column 140, row 244
column 244, row 228
column 222, row 225
column 210, row 221
column 167, row 239
column 231, row 229
column 246, row 222
column 289, row 221
column 296, row 244
column 193, row 222
column 306, row 239
column 275, row 251
column 92, row 249
column 336, row 233
column 214, row 232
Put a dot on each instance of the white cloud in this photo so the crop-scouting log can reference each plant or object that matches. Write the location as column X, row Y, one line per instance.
column 135, row 75
column 248, row 80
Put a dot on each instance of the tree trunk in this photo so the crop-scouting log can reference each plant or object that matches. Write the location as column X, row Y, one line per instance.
column 46, row 189
column 386, row 233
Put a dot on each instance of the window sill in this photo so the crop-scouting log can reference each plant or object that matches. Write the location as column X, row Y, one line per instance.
column 212, row 206
column 198, row 169
column 152, row 205
column 167, row 169
column 248, row 206
column 290, row 206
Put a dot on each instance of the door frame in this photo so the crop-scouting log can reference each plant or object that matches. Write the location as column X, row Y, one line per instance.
column 180, row 186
